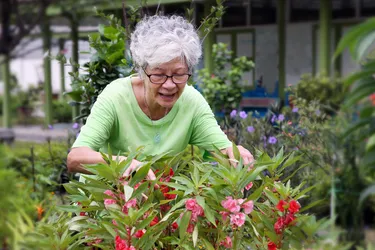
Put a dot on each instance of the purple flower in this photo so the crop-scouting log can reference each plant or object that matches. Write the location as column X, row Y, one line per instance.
column 273, row 118
column 317, row 112
column 243, row 114
column 75, row 125
column 50, row 126
column 295, row 110
column 250, row 129
column 233, row 113
column 281, row 118
column 272, row 140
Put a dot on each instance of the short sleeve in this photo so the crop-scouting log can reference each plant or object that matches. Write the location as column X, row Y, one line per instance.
column 95, row 133
column 206, row 131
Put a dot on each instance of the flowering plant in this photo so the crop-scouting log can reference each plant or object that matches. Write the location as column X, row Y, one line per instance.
column 192, row 205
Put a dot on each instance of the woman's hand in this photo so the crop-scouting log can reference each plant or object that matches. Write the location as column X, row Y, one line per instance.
column 134, row 166
column 245, row 154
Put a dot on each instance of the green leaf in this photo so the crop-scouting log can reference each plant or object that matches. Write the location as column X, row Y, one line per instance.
column 360, row 94
column 236, row 152
column 140, row 174
column 128, row 191
column 256, row 194
column 101, row 170
column 364, row 44
column 271, row 196
column 351, row 37
column 184, row 223
column 195, row 235
column 366, row 193
column 175, row 185
column 369, row 158
column 109, row 228
column 207, row 244
column 370, row 143
column 184, row 180
column 69, row 208
column 303, row 192
column 313, row 204
column 141, row 189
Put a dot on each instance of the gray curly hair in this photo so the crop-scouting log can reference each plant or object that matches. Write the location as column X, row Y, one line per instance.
column 160, row 39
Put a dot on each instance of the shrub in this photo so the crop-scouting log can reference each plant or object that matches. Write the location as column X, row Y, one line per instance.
column 62, row 111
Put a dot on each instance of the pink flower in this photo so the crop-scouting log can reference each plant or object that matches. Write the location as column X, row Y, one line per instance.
column 110, row 193
column 224, row 215
column 231, row 205
column 195, row 208
column 237, row 219
column 190, row 228
column 108, row 202
column 190, row 204
column 227, row 242
column 129, row 204
column 248, row 186
column 248, row 207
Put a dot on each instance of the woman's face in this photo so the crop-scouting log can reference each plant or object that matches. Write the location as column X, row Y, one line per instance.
column 166, row 94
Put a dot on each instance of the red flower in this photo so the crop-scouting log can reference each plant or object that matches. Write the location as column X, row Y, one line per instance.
column 280, row 205
column 165, row 207
column 174, row 226
column 190, row 228
column 120, row 243
column 154, row 221
column 294, row 206
column 372, row 99
column 278, row 226
column 140, row 233
column 289, row 218
column 272, row 246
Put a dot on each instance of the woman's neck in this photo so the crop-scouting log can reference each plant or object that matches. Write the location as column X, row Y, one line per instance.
column 154, row 110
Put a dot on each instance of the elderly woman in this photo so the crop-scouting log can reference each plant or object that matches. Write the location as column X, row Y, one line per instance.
column 155, row 108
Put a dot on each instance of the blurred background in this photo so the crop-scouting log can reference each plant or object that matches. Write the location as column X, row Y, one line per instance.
column 300, row 70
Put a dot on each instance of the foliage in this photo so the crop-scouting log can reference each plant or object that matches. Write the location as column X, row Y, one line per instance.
column 223, row 87
column 332, row 160
column 360, row 40
column 191, row 205
column 62, row 111
column 108, row 62
column 329, row 92
column 42, row 166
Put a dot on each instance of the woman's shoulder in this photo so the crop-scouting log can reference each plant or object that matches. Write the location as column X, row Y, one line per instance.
column 117, row 85
column 192, row 95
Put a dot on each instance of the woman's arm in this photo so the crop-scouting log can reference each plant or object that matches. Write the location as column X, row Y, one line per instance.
column 85, row 155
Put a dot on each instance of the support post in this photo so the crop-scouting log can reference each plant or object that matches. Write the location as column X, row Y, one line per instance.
column 281, row 30
column 325, row 17
column 75, row 56
column 47, row 72
column 62, row 71
column 6, row 101
column 338, row 61
column 208, row 41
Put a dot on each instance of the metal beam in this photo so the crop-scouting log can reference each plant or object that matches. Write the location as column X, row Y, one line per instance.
column 109, row 5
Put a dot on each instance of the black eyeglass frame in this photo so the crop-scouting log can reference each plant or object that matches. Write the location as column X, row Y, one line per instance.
column 171, row 76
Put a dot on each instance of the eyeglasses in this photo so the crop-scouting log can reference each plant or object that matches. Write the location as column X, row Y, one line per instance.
column 161, row 79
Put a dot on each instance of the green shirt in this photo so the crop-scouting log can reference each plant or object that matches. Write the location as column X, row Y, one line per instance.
column 116, row 119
